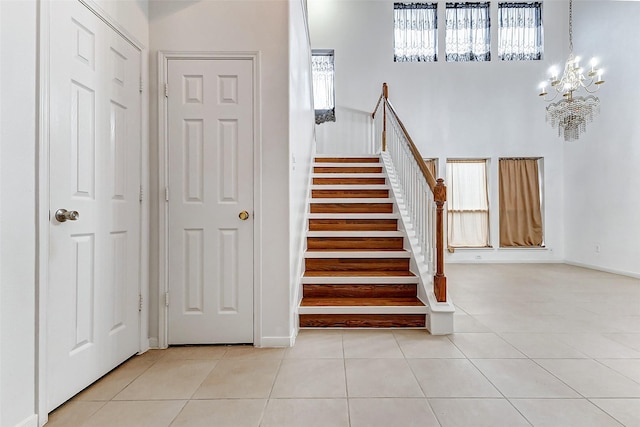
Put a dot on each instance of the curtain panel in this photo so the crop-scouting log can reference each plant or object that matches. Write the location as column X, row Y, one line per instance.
column 322, row 69
column 520, row 212
column 415, row 32
column 520, row 31
column 468, row 35
column 468, row 204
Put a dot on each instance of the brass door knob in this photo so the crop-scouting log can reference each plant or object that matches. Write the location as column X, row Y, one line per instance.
column 244, row 215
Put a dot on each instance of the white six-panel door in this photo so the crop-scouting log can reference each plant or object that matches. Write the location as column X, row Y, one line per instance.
column 210, row 174
column 94, row 261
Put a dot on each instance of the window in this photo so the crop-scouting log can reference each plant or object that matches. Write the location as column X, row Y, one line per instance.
column 468, row 203
column 415, row 32
column 468, row 32
column 432, row 165
column 520, row 203
column 323, row 89
column 520, row 31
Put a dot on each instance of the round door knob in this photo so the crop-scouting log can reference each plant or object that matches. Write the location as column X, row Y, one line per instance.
column 244, row 215
column 63, row 215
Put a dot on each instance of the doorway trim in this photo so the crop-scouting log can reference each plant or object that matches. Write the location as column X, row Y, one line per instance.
column 42, row 193
column 163, row 184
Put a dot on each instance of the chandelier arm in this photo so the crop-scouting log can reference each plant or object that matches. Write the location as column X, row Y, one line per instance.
column 555, row 95
column 586, row 88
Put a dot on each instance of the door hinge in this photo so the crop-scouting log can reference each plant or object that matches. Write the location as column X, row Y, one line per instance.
column 141, row 84
column 166, row 90
column 166, row 194
column 139, row 302
column 166, row 299
column 141, row 198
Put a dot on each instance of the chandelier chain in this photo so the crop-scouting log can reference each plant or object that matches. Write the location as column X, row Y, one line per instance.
column 570, row 26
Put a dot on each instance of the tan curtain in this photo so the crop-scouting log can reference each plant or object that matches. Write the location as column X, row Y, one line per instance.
column 431, row 165
column 520, row 213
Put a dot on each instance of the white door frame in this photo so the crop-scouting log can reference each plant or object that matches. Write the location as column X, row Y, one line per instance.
column 163, row 184
column 42, row 191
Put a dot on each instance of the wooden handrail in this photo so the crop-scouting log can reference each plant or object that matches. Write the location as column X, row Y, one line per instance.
column 373, row 115
column 437, row 187
column 414, row 150
column 431, row 180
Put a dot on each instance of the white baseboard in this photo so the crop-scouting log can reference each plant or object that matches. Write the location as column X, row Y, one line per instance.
column 153, row 343
column 606, row 270
column 277, row 341
column 31, row 421
column 504, row 261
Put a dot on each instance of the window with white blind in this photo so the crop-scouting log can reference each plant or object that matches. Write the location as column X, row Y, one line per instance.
column 468, row 35
column 415, row 31
column 520, row 31
column 467, row 204
column 323, row 74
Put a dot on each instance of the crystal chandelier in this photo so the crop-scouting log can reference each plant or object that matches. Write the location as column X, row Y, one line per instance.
column 572, row 113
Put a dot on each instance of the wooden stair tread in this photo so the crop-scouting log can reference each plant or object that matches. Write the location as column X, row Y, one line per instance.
column 355, row 234
column 330, row 225
column 361, row 254
column 362, row 320
column 350, row 181
column 363, row 159
column 347, row 169
column 369, row 302
column 360, row 208
column 362, row 216
column 352, row 201
column 342, row 290
column 359, row 273
column 350, row 187
column 347, row 165
column 349, row 175
column 349, row 194
column 350, row 249
column 355, row 243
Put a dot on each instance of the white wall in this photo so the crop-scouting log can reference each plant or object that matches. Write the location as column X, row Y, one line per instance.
column 301, row 139
column 602, row 170
column 18, row 210
column 452, row 110
column 195, row 25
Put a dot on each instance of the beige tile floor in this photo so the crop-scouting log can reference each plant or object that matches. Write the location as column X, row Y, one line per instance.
column 543, row 345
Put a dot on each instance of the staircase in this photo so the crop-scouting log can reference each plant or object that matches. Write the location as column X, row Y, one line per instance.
column 356, row 268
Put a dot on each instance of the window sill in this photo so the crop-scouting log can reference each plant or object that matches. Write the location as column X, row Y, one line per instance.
column 452, row 249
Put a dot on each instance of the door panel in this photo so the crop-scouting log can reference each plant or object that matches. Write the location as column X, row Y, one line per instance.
column 94, row 163
column 210, row 156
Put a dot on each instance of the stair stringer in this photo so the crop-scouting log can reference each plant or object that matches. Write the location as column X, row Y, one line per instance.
column 296, row 297
column 439, row 319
